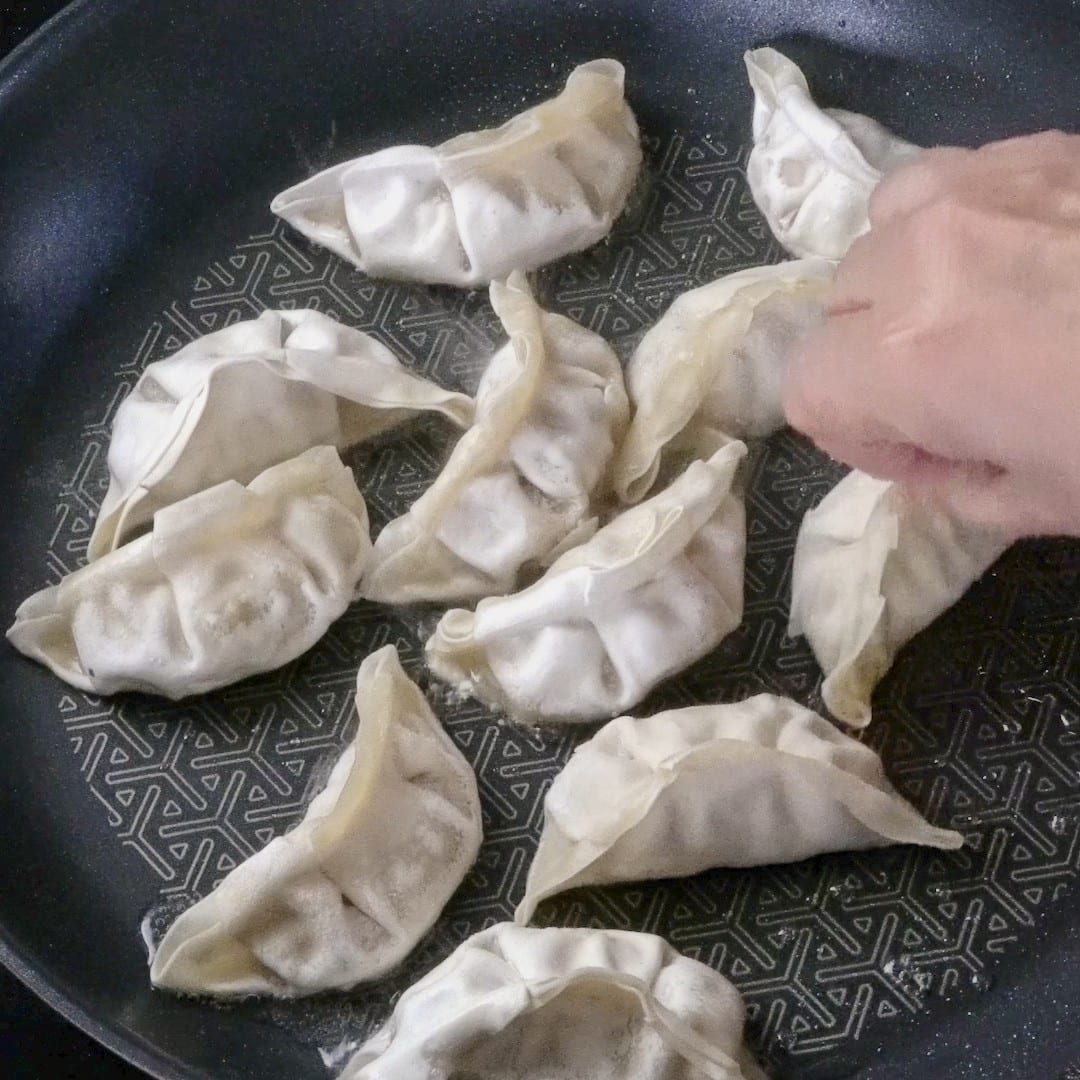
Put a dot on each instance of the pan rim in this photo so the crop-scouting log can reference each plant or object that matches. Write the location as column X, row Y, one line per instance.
column 16, row 954
column 53, row 27
column 126, row 1044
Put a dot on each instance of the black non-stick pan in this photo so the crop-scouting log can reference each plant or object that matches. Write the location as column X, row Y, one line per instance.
column 140, row 143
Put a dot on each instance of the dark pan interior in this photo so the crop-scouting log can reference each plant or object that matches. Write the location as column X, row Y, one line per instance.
column 140, row 144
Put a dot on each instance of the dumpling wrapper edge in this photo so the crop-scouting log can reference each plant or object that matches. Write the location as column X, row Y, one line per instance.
column 223, row 943
column 570, row 845
column 289, row 380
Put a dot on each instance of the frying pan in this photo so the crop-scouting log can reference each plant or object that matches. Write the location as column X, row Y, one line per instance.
column 141, row 144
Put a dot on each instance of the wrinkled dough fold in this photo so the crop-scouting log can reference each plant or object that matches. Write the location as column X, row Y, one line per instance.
column 562, row 1004
column 759, row 781
column 873, row 567
column 233, row 403
column 342, row 898
column 231, row 582
column 713, row 367
column 812, row 170
column 548, row 182
column 525, row 478
column 654, row 590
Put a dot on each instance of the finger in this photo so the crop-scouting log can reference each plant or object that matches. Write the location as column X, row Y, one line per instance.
column 1031, row 193
column 917, row 468
column 832, row 391
column 900, row 267
column 888, row 460
column 859, row 393
column 991, row 505
column 1015, row 505
column 1015, row 176
column 942, row 170
column 1040, row 147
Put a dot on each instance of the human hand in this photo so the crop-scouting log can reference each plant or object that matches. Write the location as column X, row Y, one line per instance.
column 950, row 359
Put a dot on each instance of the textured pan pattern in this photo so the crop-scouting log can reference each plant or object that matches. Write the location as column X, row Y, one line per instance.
column 979, row 724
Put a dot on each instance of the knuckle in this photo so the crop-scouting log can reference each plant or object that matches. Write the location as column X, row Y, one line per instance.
column 1029, row 151
column 912, row 185
column 897, row 192
column 948, row 224
column 1054, row 140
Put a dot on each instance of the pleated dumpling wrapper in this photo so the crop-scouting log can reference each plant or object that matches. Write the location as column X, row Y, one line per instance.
column 346, row 895
column 716, row 361
column 650, row 593
column 812, row 170
column 523, row 480
column 237, row 401
column 231, row 582
column 517, row 1003
column 467, row 212
column 760, row 781
column 874, row 566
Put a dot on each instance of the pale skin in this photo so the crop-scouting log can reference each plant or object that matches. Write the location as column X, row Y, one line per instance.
column 950, row 358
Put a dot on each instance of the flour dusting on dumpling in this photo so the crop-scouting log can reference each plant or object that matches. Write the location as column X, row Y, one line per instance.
column 514, row 1003
column 653, row 591
column 528, row 475
column 745, row 784
column 237, row 401
column 231, row 582
column 346, row 895
column 548, row 182
column 874, row 566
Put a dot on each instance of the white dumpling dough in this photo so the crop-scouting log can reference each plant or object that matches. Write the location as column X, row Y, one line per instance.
column 550, row 410
column 812, row 170
column 233, row 581
column 760, row 781
column 650, row 593
column 872, row 568
column 514, row 1003
column 346, row 895
column 716, row 361
column 550, row 181
column 237, row 401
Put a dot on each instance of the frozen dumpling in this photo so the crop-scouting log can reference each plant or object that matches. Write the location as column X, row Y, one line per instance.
column 548, row 182
column 650, row 593
column 716, row 361
column 874, row 566
column 514, row 1003
column 812, row 170
column 760, row 781
column 237, row 401
column 550, row 410
column 344, row 896
column 233, row 581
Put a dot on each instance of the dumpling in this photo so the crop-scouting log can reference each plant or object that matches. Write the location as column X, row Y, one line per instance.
column 716, row 360
column 812, row 170
column 515, row 1003
column 231, row 582
column 550, row 410
column 346, row 895
column 760, row 781
column 550, row 181
column 874, row 566
column 651, row 592
column 237, row 401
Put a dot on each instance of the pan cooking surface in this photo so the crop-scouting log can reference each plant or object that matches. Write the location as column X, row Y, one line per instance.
column 130, row 805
